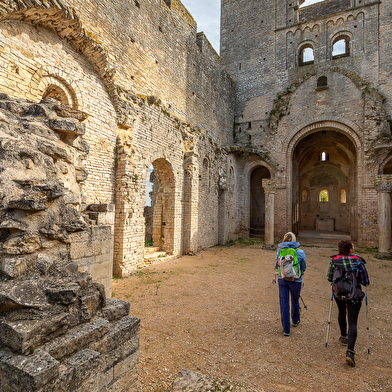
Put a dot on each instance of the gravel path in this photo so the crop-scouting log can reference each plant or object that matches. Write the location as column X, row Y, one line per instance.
column 218, row 313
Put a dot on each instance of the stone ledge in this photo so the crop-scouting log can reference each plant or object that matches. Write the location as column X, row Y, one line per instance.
column 77, row 338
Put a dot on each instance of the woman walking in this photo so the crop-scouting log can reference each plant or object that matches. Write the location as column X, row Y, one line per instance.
column 346, row 262
column 290, row 283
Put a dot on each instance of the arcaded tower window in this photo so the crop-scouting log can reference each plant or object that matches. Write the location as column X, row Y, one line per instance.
column 341, row 47
column 306, row 56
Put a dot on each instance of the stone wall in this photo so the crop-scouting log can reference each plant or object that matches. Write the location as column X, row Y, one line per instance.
column 57, row 330
column 280, row 103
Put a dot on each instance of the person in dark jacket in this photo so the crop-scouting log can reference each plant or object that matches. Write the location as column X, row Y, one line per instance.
column 290, row 287
column 346, row 260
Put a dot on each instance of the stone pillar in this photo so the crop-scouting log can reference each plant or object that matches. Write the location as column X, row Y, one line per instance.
column 191, row 201
column 383, row 185
column 269, row 187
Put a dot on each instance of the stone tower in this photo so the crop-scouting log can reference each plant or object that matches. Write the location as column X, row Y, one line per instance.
column 313, row 91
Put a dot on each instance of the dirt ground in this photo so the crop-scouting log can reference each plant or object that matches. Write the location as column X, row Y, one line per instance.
column 218, row 313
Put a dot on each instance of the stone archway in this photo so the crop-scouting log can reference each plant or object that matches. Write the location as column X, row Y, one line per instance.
column 257, row 201
column 324, row 183
column 162, row 205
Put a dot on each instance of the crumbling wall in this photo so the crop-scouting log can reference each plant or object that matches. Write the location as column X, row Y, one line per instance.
column 57, row 330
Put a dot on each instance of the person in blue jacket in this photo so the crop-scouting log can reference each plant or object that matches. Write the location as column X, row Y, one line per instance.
column 290, row 287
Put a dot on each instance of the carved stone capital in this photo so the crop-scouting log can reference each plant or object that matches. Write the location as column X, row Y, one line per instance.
column 383, row 183
column 269, row 185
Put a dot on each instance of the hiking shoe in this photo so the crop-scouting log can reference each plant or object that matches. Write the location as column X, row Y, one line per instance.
column 343, row 340
column 286, row 334
column 295, row 323
column 350, row 358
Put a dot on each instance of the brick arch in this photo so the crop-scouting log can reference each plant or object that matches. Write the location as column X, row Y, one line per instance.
column 315, row 125
column 164, row 208
column 63, row 21
column 44, row 78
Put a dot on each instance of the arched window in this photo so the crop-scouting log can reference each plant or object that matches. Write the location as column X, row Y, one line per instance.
column 322, row 81
column 57, row 93
column 341, row 47
column 306, row 55
column 304, row 196
column 343, row 196
column 324, row 197
column 324, row 157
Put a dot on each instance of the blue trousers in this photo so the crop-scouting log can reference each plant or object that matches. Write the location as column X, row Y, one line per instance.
column 285, row 288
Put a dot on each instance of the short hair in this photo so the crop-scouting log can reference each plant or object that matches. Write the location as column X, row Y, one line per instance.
column 345, row 246
column 289, row 237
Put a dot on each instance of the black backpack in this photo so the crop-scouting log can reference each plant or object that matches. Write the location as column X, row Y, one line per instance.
column 345, row 286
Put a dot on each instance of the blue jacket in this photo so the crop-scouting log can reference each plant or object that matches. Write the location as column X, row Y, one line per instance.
column 300, row 254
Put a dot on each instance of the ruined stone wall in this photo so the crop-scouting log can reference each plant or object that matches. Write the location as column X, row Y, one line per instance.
column 155, row 51
column 33, row 59
column 279, row 100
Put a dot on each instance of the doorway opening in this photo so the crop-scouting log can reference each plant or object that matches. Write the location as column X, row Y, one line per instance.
column 257, row 202
column 159, row 208
column 324, row 184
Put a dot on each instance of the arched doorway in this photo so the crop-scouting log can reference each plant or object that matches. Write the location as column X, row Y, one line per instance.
column 324, row 183
column 160, row 206
column 257, row 201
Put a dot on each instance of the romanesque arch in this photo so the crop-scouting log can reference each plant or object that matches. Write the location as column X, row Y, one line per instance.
column 64, row 22
column 258, row 200
column 324, row 178
column 163, row 205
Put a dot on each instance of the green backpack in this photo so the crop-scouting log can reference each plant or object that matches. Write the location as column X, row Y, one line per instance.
column 288, row 264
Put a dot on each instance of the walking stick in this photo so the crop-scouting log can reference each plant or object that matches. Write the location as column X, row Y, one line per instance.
column 367, row 320
column 329, row 320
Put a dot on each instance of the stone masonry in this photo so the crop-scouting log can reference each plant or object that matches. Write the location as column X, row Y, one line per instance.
column 290, row 129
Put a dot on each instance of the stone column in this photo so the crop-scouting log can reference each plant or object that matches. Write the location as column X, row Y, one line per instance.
column 269, row 187
column 191, row 202
column 383, row 185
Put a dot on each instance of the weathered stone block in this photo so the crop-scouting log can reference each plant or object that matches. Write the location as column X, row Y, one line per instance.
column 19, row 295
column 27, row 374
column 78, row 338
column 115, row 309
column 24, row 336
column 64, row 294
column 33, row 202
column 66, row 125
column 13, row 266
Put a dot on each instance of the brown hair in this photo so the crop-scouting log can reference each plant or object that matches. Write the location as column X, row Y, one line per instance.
column 289, row 237
column 345, row 247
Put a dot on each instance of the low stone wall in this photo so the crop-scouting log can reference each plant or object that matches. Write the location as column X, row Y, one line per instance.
column 99, row 356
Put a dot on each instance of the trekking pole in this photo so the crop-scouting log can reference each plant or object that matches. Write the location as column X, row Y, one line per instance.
column 367, row 320
column 306, row 308
column 329, row 320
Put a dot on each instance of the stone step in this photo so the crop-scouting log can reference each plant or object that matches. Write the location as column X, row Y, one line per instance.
column 156, row 257
column 148, row 250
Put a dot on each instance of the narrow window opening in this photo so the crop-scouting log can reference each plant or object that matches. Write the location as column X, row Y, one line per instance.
column 343, row 196
column 304, row 196
column 323, row 156
column 249, row 125
column 322, row 81
column 323, row 197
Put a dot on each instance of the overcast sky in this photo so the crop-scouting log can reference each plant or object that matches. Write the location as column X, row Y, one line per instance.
column 207, row 16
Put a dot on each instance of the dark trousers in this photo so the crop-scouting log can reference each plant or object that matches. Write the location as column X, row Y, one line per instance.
column 348, row 311
column 285, row 288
